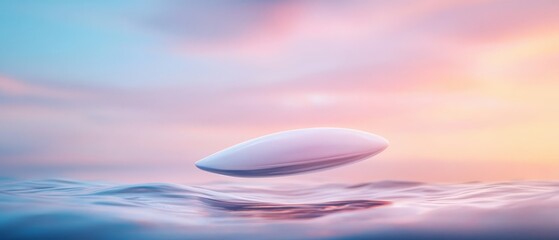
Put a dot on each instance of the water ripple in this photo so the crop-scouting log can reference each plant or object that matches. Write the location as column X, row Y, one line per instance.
column 291, row 211
column 386, row 209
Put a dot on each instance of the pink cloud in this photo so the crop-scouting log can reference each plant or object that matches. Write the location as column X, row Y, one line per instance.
column 16, row 88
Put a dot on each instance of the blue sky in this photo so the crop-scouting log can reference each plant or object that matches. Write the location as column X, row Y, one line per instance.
column 140, row 90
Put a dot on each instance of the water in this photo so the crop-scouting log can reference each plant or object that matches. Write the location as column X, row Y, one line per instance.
column 61, row 209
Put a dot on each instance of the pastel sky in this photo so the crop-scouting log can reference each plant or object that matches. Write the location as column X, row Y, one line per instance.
column 139, row 90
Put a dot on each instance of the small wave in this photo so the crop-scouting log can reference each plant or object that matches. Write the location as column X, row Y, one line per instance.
column 153, row 188
column 291, row 211
column 386, row 184
column 386, row 209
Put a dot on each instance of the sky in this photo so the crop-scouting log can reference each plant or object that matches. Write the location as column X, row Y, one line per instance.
column 137, row 91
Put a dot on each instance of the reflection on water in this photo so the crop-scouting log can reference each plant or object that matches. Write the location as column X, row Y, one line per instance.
column 290, row 211
column 61, row 209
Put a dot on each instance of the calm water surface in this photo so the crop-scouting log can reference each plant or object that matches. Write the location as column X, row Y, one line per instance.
column 62, row 209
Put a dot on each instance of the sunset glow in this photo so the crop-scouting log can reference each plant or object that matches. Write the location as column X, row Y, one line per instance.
column 99, row 90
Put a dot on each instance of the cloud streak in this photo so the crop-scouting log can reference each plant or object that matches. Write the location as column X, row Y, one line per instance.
column 445, row 82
